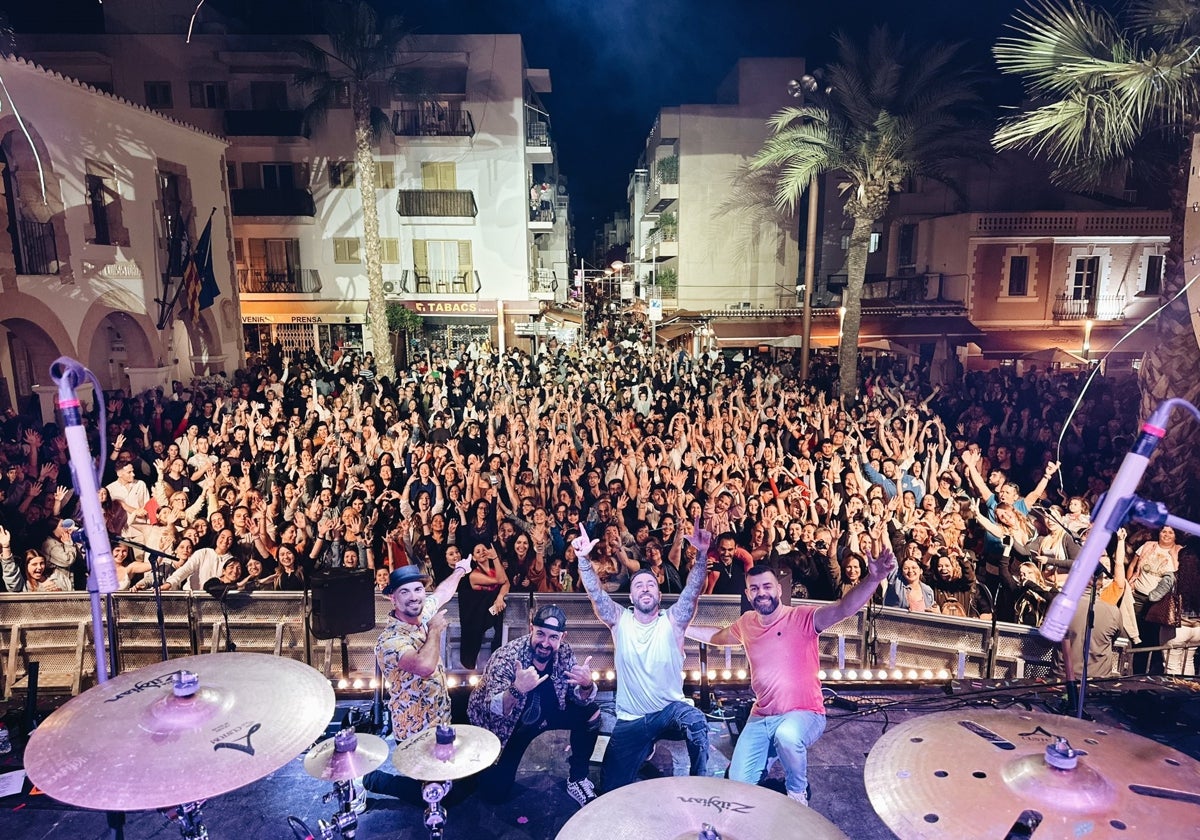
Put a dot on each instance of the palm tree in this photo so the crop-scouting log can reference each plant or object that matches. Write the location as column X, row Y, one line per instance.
column 1109, row 97
column 879, row 115
column 364, row 54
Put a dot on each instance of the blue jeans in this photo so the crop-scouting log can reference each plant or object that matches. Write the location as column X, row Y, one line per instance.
column 632, row 742
column 792, row 734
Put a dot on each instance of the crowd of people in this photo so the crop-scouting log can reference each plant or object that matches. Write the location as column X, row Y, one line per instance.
column 292, row 466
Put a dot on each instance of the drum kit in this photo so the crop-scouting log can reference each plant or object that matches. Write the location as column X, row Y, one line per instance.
column 173, row 735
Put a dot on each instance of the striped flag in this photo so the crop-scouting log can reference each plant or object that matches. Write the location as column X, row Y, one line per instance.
column 200, row 287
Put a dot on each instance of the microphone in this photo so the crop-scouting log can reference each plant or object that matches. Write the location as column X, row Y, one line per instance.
column 68, row 374
column 1109, row 517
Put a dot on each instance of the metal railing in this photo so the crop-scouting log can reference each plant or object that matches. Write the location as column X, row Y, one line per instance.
column 537, row 128
column 35, row 250
column 270, row 123
column 1067, row 307
column 278, row 280
column 422, row 122
column 261, row 202
column 445, row 281
column 444, row 203
column 543, row 281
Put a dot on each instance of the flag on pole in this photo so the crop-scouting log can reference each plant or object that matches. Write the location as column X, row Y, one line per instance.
column 200, row 287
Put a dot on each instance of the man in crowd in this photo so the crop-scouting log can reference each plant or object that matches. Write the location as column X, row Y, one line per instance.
column 649, row 664
column 781, row 644
column 409, row 653
column 532, row 685
column 203, row 565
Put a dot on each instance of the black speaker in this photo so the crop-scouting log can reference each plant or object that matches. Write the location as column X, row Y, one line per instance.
column 343, row 602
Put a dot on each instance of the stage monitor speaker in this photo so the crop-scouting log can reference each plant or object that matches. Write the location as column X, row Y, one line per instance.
column 343, row 602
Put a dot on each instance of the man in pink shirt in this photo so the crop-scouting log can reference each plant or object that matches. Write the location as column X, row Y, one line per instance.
column 781, row 644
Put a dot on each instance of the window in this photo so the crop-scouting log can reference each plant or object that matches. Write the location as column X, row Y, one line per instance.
column 439, row 176
column 278, row 176
column 875, row 238
column 1085, row 278
column 104, row 205
column 158, row 95
column 391, row 250
column 1156, row 265
column 341, row 95
column 1018, row 276
column 268, row 96
column 341, row 174
column 346, row 250
column 385, row 175
column 208, row 94
column 231, row 175
column 442, row 265
column 239, row 252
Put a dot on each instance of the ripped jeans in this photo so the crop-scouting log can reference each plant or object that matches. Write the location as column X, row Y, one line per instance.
column 632, row 742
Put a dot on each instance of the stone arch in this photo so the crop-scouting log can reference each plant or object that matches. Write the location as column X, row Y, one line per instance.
column 116, row 340
column 31, row 343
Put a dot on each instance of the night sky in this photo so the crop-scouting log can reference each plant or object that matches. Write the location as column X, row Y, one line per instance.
column 614, row 63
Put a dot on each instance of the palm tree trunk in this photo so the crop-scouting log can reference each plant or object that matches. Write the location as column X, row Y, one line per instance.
column 1169, row 369
column 364, row 166
column 856, row 275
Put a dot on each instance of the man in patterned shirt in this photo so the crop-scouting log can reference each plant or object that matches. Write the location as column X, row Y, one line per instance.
column 409, row 657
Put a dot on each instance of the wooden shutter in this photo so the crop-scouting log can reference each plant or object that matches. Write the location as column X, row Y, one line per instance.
column 420, row 257
column 464, row 257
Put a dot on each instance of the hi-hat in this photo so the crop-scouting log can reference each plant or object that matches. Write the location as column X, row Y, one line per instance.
column 679, row 808
column 980, row 772
column 475, row 749
column 153, row 739
column 347, row 755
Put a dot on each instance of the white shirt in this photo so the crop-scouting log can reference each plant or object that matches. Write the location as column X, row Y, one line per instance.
column 649, row 662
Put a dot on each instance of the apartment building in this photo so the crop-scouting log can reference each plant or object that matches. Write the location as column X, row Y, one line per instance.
column 100, row 195
column 474, row 214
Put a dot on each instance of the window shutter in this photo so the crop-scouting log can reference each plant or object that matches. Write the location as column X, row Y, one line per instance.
column 464, row 257
column 258, row 253
column 196, row 94
column 252, row 176
column 420, row 257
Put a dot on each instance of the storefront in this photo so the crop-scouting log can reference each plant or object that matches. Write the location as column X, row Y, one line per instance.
column 328, row 328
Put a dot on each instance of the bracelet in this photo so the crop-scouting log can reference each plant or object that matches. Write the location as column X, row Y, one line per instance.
column 516, row 693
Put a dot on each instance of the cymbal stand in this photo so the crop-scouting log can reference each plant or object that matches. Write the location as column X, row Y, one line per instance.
column 435, row 815
column 344, row 821
column 189, row 819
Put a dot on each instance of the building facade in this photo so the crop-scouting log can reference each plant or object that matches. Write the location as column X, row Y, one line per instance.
column 101, row 197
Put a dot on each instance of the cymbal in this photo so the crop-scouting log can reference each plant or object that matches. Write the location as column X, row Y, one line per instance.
column 359, row 755
column 678, row 807
column 131, row 744
column 977, row 772
column 475, row 749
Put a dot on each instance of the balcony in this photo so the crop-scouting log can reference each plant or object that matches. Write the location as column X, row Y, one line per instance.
column 35, row 250
column 292, row 202
column 1114, row 223
column 443, row 203
column 537, row 136
column 663, row 192
column 661, row 245
column 923, row 292
column 1067, row 307
column 265, row 124
column 441, row 281
column 543, row 284
column 278, row 280
column 416, row 122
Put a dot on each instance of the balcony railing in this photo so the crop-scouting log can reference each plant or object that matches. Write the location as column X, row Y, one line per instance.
column 543, row 281
column 1120, row 222
column 442, row 281
column 265, row 124
column 278, row 280
column 1067, row 307
column 436, row 203
column 272, row 203
column 417, row 122
column 35, row 249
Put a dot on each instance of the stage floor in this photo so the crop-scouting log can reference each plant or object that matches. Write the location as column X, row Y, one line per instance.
column 1162, row 709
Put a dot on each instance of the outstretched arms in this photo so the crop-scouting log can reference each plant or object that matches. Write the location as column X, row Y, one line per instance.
column 605, row 607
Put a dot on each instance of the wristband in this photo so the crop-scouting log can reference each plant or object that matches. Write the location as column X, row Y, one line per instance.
column 516, row 693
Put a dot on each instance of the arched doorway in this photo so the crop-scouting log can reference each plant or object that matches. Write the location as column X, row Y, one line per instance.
column 31, row 351
column 118, row 342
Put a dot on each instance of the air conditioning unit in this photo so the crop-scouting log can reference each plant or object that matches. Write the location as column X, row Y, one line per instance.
column 390, row 287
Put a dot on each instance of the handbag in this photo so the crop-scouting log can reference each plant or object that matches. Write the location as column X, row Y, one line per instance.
column 1167, row 610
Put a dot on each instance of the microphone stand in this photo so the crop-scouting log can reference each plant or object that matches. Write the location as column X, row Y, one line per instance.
column 1087, row 642
column 155, row 577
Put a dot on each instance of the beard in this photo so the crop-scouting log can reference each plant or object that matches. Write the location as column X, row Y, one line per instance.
column 766, row 604
column 542, row 654
column 640, row 604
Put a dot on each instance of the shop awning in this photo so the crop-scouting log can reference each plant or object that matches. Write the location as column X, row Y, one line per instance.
column 304, row 311
column 912, row 329
column 1006, row 344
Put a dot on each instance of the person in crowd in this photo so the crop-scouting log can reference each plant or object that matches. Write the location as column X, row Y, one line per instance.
column 33, row 573
column 649, row 665
column 532, row 685
column 788, row 715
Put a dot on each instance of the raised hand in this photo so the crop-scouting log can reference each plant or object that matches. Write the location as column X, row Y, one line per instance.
column 464, row 565
column 583, row 544
column 526, row 680
column 881, row 565
column 581, row 675
column 700, row 539
column 438, row 623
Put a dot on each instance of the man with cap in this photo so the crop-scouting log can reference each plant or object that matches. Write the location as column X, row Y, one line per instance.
column 531, row 685
column 409, row 653
column 649, row 664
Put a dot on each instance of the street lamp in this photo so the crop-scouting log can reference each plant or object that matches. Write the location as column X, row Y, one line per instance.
column 1087, row 339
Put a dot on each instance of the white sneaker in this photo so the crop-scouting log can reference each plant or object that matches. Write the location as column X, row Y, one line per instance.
column 582, row 791
column 800, row 796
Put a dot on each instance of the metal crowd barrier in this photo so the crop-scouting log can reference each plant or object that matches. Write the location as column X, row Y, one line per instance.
column 55, row 631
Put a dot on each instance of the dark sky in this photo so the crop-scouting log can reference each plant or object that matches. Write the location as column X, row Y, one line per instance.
column 614, row 63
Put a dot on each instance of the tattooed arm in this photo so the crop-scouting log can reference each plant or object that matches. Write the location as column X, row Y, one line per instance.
column 684, row 610
column 605, row 607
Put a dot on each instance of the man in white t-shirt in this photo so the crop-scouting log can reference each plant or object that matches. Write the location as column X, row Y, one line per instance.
column 649, row 664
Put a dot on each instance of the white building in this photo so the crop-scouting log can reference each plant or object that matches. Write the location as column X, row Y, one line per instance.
column 94, row 187
column 457, row 171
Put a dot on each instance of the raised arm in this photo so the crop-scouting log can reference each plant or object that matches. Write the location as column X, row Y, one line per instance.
column 446, row 589
column 684, row 609
column 605, row 607
column 878, row 569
